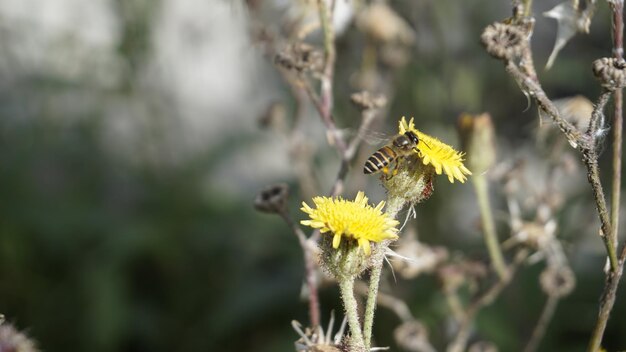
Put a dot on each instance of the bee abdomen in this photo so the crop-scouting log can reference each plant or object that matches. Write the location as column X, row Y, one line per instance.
column 381, row 158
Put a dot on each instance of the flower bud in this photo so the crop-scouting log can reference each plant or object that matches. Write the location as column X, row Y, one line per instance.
column 346, row 261
column 413, row 182
column 478, row 140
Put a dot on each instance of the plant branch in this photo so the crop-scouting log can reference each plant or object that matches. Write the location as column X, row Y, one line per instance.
column 542, row 325
column 309, row 272
column 488, row 226
column 607, row 300
column 590, row 159
column 617, row 8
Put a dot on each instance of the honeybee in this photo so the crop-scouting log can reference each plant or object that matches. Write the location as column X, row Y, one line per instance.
column 400, row 146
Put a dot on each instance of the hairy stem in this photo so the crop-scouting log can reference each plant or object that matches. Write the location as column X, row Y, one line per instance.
column 372, row 293
column 394, row 205
column 489, row 230
column 346, row 286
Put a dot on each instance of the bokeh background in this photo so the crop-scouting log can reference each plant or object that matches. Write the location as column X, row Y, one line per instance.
column 130, row 154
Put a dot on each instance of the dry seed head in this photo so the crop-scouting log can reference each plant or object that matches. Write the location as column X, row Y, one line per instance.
column 272, row 199
column 610, row 72
column 503, row 41
column 300, row 57
column 365, row 100
column 557, row 281
column 412, row 336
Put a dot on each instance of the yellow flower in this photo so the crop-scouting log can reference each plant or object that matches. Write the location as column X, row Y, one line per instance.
column 438, row 154
column 351, row 219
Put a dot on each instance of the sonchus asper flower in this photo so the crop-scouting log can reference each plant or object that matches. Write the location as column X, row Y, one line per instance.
column 434, row 152
column 356, row 220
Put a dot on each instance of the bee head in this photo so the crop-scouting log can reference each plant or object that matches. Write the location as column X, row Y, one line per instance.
column 412, row 137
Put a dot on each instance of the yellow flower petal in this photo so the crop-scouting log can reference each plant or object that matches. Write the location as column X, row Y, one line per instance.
column 351, row 219
column 436, row 153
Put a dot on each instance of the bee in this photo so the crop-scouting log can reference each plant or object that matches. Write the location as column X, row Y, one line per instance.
column 400, row 146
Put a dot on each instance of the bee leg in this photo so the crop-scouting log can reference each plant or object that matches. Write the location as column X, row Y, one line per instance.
column 390, row 173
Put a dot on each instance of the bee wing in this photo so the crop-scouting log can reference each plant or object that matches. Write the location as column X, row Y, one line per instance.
column 368, row 136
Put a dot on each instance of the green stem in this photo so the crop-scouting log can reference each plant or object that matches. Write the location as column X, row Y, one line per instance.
column 372, row 294
column 346, row 285
column 489, row 230
column 394, row 205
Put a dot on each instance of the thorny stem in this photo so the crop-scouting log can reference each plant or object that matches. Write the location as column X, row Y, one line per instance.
column 309, row 266
column 540, row 329
column 346, row 285
column 489, row 230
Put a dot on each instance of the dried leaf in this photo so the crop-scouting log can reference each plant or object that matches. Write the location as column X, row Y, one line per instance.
column 570, row 21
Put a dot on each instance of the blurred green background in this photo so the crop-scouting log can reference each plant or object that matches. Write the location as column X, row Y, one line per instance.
column 130, row 155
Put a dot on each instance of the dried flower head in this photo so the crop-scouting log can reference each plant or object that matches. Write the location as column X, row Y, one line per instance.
column 367, row 101
column 571, row 19
column 415, row 258
column 412, row 336
column 503, row 41
column 557, row 281
column 300, row 57
column 272, row 199
column 317, row 340
column 352, row 220
column 434, row 152
column 611, row 72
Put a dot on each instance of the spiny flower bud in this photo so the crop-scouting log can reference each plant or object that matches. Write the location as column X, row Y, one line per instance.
column 503, row 41
column 610, row 72
column 478, row 141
